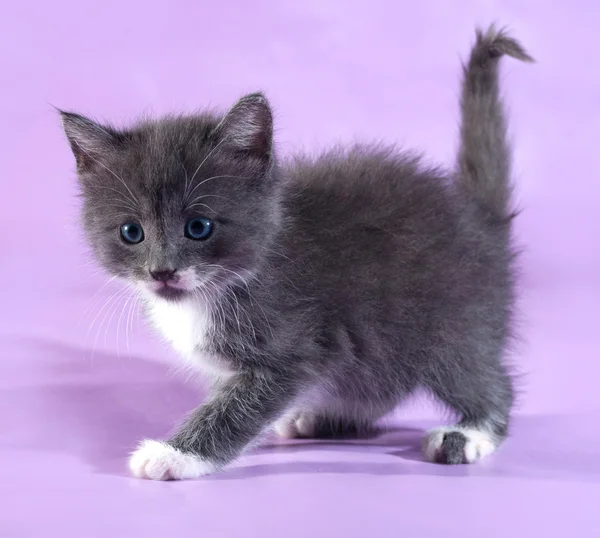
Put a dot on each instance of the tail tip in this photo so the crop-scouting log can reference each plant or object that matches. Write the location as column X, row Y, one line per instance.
column 494, row 43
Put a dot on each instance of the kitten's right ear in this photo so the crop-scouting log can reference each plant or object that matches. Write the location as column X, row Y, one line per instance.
column 89, row 140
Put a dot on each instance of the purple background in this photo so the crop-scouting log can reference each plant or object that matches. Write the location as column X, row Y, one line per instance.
column 335, row 70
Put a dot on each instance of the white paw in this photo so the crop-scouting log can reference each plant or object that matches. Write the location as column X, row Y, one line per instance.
column 478, row 444
column 295, row 425
column 156, row 460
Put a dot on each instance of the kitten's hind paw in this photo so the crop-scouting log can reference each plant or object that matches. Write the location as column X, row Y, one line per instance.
column 157, row 460
column 306, row 425
column 456, row 444
column 294, row 426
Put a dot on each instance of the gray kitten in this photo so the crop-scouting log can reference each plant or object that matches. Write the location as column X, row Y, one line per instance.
column 316, row 293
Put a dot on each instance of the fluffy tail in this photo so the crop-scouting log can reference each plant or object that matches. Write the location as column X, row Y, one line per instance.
column 484, row 156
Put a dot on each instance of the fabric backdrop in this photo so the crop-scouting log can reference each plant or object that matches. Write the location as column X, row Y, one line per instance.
column 81, row 378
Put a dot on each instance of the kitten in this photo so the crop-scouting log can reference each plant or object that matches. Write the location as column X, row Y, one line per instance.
column 316, row 293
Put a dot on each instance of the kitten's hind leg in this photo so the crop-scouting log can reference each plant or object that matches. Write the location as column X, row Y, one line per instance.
column 314, row 425
column 483, row 399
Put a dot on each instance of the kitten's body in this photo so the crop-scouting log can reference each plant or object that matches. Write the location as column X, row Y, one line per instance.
column 374, row 327
column 337, row 286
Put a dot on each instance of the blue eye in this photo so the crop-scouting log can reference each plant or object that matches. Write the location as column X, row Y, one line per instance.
column 132, row 233
column 199, row 228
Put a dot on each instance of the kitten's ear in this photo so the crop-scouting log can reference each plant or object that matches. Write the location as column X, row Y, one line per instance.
column 89, row 140
column 248, row 126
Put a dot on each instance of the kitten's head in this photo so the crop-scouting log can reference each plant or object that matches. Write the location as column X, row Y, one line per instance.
column 181, row 204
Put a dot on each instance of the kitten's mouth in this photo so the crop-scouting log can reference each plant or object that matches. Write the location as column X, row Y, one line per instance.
column 170, row 293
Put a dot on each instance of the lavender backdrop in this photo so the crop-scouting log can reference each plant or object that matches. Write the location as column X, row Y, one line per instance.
column 381, row 69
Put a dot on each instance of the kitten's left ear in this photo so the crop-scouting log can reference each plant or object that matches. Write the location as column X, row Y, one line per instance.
column 248, row 126
column 89, row 140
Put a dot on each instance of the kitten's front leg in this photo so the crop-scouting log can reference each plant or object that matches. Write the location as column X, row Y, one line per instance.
column 217, row 431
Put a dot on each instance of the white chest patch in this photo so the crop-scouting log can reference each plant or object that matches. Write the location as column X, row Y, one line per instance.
column 187, row 326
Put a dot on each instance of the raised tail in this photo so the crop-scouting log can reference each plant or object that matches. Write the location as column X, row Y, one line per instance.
column 484, row 156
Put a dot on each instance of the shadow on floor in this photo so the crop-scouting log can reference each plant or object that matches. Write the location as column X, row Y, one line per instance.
column 99, row 411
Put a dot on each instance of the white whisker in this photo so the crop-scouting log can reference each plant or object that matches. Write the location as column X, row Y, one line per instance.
column 206, row 158
column 130, row 318
column 186, row 187
column 133, row 200
column 110, row 303
column 209, row 196
column 127, row 302
column 250, row 296
column 112, row 315
column 278, row 254
column 106, row 303
column 198, row 204
column 209, row 179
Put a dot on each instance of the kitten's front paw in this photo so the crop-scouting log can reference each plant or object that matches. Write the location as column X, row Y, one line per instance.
column 157, row 460
column 456, row 444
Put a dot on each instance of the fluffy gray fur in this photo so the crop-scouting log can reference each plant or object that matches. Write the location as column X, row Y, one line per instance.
column 335, row 286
